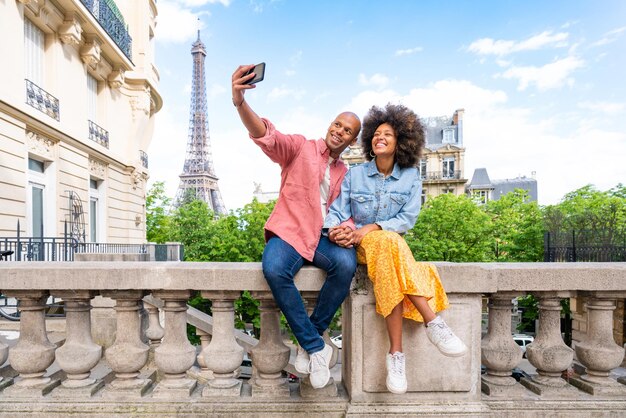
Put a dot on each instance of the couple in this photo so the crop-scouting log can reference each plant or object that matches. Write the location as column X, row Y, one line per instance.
column 331, row 218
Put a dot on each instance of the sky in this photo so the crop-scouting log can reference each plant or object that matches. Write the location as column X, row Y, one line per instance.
column 542, row 82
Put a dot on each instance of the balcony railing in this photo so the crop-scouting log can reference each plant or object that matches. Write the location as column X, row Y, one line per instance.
column 441, row 175
column 42, row 100
column 98, row 134
column 179, row 380
column 144, row 158
column 112, row 21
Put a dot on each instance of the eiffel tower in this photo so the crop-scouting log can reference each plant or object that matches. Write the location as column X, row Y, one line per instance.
column 198, row 180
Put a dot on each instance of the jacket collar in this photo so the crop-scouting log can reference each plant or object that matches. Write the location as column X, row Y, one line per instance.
column 372, row 170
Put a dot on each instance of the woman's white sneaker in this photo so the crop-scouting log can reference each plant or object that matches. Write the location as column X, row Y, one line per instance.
column 302, row 361
column 319, row 373
column 396, row 375
column 440, row 334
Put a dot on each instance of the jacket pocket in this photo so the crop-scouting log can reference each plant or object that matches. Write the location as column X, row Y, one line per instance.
column 362, row 206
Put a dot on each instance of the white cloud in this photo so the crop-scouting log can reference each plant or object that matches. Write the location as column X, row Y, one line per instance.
column 549, row 76
column 216, row 90
column 290, row 73
column 177, row 24
column 610, row 108
column 489, row 46
column 197, row 3
column 409, row 51
column 282, row 92
column 610, row 37
column 377, row 80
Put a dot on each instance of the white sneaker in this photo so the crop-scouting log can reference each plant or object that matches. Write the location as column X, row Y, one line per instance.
column 319, row 373
column 440, row 334
column 302, row 361
column 396, row 376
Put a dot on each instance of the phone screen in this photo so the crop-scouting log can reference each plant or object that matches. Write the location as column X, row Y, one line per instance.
column 259, row 71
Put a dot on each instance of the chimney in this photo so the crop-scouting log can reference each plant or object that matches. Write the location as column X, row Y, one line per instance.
column 458, row 115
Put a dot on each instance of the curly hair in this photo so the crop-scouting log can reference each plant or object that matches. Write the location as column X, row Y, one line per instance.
column 407, row 127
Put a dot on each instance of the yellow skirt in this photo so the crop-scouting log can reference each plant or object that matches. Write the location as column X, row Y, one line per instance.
column 395, row 273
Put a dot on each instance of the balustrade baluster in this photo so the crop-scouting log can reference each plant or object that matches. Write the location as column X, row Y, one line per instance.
column 4, row 354
column 79, row 354
column 155, row 331
column 598, row 352
column 548, row 353
column 202, row 374
column 223, row 355
column 499, row 353
column 128, row 354
column 33, row 353
column 306, row 390
column 270, row 356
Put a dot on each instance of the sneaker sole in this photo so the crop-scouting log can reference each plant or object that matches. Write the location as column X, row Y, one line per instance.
column 397, row 391
column 453, row 354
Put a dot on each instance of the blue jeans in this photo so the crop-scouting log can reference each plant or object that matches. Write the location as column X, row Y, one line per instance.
column 281, row 263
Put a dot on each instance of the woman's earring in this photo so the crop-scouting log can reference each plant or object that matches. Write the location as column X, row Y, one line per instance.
column 372, row 154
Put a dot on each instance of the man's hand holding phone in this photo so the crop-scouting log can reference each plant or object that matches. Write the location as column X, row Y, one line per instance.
column 245, row 77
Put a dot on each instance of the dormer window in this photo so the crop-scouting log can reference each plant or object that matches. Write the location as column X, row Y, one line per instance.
column 448, row 136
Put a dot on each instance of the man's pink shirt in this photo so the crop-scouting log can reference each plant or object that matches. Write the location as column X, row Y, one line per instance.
column 297, row 216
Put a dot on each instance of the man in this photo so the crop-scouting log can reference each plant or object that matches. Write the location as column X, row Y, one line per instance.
column 311, row 176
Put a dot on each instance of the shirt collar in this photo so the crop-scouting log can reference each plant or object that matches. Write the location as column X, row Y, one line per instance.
column 372, row 170
column 325, row 151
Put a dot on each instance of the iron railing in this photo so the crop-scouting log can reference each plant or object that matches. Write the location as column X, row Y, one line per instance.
column 144, row 158
column 112, row 21
column 441, row 175
column 584, row 245
column 42, row 100
column 98, row 134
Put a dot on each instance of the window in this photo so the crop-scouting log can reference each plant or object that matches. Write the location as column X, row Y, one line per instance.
column 33, row 52
column 448, row 136
column 480, row 196
column 40, row 217
column 448, row 168
column 92, row 98
column 423, row 197
column 96, row 211
column 423, row 169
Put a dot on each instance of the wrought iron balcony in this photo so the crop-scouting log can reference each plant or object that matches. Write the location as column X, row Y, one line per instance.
column 98, row 134
column 112, row 21
column 442, row 175
column 42, row 100
column 144, row 158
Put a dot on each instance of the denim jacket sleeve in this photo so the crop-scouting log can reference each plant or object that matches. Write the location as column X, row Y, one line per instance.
column 406, row 217
column 340, row 210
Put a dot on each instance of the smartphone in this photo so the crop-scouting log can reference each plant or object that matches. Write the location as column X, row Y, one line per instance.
column 259, row 73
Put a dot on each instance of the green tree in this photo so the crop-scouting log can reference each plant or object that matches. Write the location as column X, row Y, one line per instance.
column 158, row 219
column 517, row 227
column 451, row 228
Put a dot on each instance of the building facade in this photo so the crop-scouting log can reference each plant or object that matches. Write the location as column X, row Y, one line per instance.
column 77, row 105
column 442, row 164
column 482, row 189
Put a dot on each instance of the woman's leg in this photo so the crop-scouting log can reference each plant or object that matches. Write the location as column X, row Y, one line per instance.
column 421, row 304
column 394, row 329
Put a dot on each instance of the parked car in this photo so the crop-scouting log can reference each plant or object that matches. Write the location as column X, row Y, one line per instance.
column 523, row 340
column 337, row 340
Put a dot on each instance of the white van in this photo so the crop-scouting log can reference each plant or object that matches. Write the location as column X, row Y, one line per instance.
column 523, row 340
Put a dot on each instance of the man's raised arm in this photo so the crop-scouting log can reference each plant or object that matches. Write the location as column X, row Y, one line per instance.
column 253, row 123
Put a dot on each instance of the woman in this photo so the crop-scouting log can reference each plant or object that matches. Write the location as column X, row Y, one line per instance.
column 382, row 197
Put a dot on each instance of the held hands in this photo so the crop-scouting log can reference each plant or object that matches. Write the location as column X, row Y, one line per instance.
column 239, row 83
column 345, row 237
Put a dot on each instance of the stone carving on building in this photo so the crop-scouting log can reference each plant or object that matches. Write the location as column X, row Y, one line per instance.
column 141, row 102
column 97, row 169
column 40, row 145
column 137, row 179
column 70, row 31
column 116, row 79
column 90, row 52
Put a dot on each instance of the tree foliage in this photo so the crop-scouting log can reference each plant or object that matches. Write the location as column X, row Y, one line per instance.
column 451, row 228
column 158, row 220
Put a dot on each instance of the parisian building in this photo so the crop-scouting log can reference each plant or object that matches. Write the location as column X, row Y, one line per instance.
column 483, row 189
column 442, row 163
column 77, row 106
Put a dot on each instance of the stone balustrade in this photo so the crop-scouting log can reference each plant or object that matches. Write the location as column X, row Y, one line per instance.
column 146, row 371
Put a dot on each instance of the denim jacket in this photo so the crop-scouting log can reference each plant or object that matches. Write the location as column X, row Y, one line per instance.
column 368, row 197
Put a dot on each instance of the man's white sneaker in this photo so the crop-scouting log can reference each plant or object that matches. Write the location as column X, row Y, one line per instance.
column 302, row 361
column 396, row 376
column 440, row 334
column 319, row 373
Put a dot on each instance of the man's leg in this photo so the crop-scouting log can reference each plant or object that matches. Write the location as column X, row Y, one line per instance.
column 281, row 263
column 340, row 264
